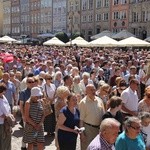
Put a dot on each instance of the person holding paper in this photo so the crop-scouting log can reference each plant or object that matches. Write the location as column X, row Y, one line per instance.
column 67, row 120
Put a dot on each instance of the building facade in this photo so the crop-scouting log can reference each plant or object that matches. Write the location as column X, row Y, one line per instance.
column 119, row 15
column 59, row 16
column 139, row 18
column 15, row 18
column 24, row 18
column 73, row 16
column 87, row 17
column 6, row 17
column 46, row 21
column 35, row 11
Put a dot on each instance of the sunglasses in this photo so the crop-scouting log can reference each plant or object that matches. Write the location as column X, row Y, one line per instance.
column 49, row 79
column 135, row 128
column 107, row 91
column 30, row 81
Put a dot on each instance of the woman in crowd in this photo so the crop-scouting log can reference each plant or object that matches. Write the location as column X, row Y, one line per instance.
column 58, row 79
column 103, row 93
column 49, row 93
column 67, row 120
column 114, row 110
column 34, row 116
column 144, row 105
column 118, row 90
column 131, row 139
column 5, row 138
column 62, row 93
column 76, row 88
column 145, row 130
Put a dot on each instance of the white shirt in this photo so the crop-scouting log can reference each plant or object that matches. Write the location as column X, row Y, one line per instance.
column 146, row 130
column 4, row 108
column 49, row 90
column 130, row 99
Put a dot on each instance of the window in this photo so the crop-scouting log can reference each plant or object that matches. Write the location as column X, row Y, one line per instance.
column 90, row 19
column 98, row 3
column 90, row 4
column 116, row 2
column 98, row 17
column 83, row 18
column 144, row 16
column 116, row 15
column 105, row 16
column 84, row 5
column 106, row 3
column 134, row 17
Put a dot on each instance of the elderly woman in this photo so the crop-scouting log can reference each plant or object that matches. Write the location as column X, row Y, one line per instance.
column 144, row 105
column 34, row 116
column 58, row 79
column 131, row 139
column 5, row 138
column 67, row 120
column 85, row 81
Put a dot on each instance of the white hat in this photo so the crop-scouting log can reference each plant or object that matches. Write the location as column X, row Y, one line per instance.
column 36, row 91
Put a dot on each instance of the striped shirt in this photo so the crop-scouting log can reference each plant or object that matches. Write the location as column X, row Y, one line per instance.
column 99, row 143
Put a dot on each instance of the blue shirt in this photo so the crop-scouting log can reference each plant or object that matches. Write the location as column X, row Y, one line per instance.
column 11, row 89
column 123, row 142
column 25, row 95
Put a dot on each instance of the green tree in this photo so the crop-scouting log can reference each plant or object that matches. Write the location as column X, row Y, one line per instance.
column 62, row 36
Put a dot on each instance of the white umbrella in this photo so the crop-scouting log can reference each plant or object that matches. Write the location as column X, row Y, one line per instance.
column 147, row 39
column 54, row 41
column 6, row 39
column 133, row 42
column 45, row 35
column 104, row 41
column 103, row 33
column 78, row 41
column 123, row 35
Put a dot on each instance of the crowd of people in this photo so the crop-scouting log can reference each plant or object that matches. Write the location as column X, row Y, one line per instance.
column 100, row 95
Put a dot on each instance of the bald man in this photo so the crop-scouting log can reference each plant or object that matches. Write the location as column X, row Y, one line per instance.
column 106, row 138
column 91, row 111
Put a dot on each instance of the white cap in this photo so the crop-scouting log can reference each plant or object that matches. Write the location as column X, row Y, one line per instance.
column 36, row 91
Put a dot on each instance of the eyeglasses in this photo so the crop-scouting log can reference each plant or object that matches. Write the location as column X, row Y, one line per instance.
column 135, row 128
column 49, row 79
column 30, row 81
column 106, row 91
column 136, row 83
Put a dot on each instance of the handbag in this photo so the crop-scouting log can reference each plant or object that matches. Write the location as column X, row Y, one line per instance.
column 10, row 119
column 47, row 104
column 9, row 122
column 47, row 107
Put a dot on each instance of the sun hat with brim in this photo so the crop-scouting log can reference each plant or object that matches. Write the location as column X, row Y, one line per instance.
column 36, row 91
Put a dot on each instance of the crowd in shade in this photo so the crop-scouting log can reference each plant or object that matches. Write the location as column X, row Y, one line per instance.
column 100, row 95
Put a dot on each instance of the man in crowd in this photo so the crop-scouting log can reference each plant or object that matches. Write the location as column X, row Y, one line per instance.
column 11, row 90
column 106, row 138
column 91, row 110
column 130, row 99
